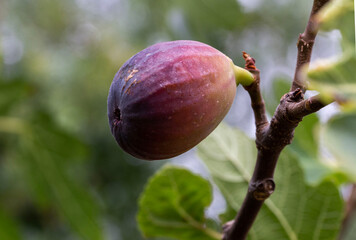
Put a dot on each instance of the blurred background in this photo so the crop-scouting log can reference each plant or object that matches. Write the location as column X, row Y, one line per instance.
column 62, row 175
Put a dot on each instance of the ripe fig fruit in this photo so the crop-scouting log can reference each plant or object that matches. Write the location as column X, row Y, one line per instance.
column 170, row 96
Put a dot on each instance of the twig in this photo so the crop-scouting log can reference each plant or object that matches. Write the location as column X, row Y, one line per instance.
column 305, row 45
column 307, row 106
column 258, row 104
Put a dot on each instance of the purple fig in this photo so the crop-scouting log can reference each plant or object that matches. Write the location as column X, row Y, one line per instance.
column 167, row 98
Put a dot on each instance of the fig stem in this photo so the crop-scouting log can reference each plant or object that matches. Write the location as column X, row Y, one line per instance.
column 242, row 76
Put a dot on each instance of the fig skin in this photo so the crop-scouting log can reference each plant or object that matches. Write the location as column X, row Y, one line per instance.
column 169, row 97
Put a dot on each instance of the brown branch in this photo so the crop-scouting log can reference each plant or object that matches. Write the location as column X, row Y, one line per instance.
column 305, row 45
column 257, row 190
column 257, row 102
column 349, row 212
column 307, row 106
column 271, row 138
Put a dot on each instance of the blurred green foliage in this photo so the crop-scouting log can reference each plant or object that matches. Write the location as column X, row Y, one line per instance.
column 62, row 175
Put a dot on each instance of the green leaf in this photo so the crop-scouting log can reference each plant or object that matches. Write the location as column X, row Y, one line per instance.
column 339, row 14
column 294, row 211
column 173, row 205
column 306, row 146
column 339, row 136
column 8, row 228
column 230, row 158
column 281, row 86
column 304, row 136
column 335, row 80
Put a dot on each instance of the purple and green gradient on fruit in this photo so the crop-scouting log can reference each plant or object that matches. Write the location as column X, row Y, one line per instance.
column 170, row 96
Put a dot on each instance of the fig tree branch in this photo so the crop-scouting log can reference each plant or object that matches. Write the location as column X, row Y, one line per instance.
column 307, row 106
column 271, row 139
column 349, row 212
column 305, row 45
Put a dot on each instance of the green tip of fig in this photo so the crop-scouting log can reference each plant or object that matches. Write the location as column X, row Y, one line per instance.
column 169, row 97
column 242, row 76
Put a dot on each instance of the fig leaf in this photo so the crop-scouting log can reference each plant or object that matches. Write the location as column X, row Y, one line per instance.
column 173, row 204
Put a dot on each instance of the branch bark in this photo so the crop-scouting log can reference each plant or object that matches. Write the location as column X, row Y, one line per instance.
column 305, row 45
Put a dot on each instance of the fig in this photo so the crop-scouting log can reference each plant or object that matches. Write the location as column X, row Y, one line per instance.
column 170, row 96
